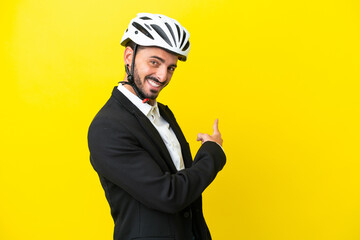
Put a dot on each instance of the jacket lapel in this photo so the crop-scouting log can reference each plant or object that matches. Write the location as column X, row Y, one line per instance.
column 149, row 129
column 185, row 149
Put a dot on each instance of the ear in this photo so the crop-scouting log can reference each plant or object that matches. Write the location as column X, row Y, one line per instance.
column 128, row 53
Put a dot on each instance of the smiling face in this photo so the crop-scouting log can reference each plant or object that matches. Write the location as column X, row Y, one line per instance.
column 153, row 70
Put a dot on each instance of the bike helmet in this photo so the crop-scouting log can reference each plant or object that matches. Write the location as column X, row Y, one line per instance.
column 157, row 30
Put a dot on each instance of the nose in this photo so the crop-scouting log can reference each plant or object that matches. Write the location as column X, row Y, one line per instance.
column 162, row 74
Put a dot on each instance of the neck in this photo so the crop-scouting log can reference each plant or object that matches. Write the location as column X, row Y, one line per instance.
column 131, row 89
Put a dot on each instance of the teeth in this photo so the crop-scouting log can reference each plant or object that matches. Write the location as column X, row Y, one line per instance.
column 154, row 84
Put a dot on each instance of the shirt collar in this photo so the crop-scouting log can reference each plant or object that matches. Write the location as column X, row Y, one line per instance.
column 145, row 108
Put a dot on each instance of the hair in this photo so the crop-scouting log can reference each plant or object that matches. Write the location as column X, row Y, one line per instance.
column 131, row 44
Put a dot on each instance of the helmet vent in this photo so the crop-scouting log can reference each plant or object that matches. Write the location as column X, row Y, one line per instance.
column 143, row 30
column 148, row 26
column 161, row 33
column 172, row 33
column 186, row 46
column 183, row 39
column 145, row 18
column 178, row 31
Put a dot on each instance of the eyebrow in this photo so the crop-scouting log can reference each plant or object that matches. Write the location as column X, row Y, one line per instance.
column 162, row 60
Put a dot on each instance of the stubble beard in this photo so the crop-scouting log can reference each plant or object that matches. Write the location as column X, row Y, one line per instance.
column 139, row 84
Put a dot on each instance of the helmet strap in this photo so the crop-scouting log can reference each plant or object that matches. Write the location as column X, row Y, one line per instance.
column 130, row 77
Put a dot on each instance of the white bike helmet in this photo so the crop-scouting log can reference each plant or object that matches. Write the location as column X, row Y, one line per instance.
column 157, row 30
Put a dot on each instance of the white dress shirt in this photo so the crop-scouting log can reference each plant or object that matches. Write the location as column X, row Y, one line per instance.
column 162, row 126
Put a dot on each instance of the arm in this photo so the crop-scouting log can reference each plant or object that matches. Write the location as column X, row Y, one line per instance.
column 118, row 156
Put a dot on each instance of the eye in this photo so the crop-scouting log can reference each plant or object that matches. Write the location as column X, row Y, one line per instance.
column 171, row 69
column 153, row 63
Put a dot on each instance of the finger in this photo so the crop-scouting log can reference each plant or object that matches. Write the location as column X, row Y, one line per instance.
column 216, row 126
column 200, row 137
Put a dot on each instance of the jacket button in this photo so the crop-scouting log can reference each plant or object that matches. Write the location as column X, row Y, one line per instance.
column 186, row 214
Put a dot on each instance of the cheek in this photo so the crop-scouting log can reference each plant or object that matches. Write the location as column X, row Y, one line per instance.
column 143, row 69
column 170, row 75
column 148, row 72
column 142, row 74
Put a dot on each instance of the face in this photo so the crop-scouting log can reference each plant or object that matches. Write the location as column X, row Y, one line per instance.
column 153, row 70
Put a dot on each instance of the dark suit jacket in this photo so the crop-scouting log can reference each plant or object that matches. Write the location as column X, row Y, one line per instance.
column 148, row 197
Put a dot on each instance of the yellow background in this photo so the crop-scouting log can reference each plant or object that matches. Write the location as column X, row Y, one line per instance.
column 282, row 77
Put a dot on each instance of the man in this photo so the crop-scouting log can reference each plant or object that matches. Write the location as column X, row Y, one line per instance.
column 138, row 150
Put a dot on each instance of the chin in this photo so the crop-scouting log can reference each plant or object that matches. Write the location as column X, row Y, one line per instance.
column 152, row 97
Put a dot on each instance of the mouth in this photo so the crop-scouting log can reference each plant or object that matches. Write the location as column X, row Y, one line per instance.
column 154, row 82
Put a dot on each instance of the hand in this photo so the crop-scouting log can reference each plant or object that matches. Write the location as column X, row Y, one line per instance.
column 215, row 137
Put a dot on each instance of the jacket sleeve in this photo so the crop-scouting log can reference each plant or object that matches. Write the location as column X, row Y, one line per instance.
column 118, row 156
